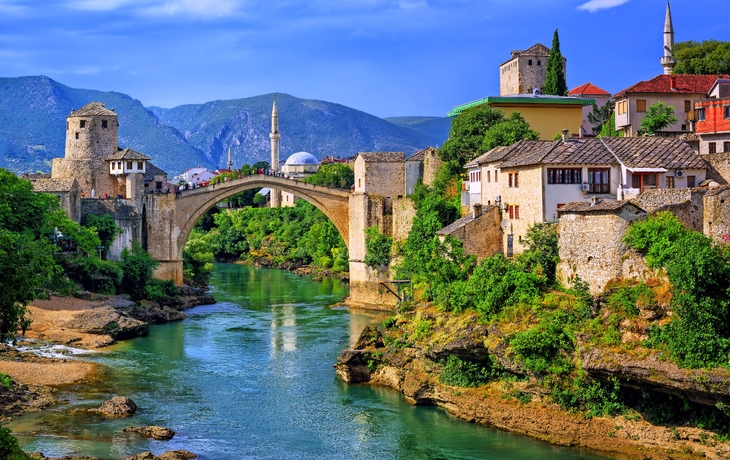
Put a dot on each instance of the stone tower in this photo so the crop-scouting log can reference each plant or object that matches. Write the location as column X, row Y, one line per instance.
column 525, row 71
column 92, row 134
column 275, row 136
column 668, row 60
column 230, row 159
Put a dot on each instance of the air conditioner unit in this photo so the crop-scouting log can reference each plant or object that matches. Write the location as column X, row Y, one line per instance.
column 679, row 173
column 585, row 187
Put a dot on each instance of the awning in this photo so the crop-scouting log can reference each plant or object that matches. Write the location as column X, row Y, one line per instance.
column 647, row 170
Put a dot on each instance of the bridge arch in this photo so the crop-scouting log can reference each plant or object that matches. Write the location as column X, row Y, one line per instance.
column 191, row 205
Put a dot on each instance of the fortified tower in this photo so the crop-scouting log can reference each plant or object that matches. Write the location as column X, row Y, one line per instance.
column 92, row 134
column 275, row 136
column 525, row 71
column 668, row 61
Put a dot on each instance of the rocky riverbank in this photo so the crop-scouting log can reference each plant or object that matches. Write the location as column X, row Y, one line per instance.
column 85, row 321
column 411, row 359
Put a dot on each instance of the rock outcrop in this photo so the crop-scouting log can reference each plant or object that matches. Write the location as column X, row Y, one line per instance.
column 169, row 455
column 118, row 406
column 154, row 432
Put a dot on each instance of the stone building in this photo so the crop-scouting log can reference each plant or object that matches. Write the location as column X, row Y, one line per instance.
column 525, row 71
column 590, row 241
column 716, row 216
column 532, row 180
column 68, row 192
column 110, row 180
column 479, row 231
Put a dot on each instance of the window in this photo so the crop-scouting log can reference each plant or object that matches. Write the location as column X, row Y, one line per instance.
column 711, row 147
column 359, row 183
column 621, row 107
column 726, row 146
column 77, row 135
column 119, row 165
column 129, row 165
column 83, row 124
column 727, row 111
column 489, row 176
column 114, row 166
column 529, row 62
column 700, row 114
column 66, row 126
column 565, row 176
column 104, row 124
column 641, row 105
column 538, row 62
column 514, row 211
column 599, row 180
column 514, row 180
column 670, row 181
column 140, row 165
column 496, row 175
column 687, row 106
column 690, row 181
column 644, row 181
column 683, row 128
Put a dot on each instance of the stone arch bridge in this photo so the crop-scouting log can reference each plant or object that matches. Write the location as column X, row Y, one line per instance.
column 168, row 219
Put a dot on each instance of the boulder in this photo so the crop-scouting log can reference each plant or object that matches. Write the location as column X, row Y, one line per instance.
column 118, row 406
column 370, row 337
column 154, row 432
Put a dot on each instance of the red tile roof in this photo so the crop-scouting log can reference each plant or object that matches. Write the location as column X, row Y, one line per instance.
column 684, row 84
column 588, row 89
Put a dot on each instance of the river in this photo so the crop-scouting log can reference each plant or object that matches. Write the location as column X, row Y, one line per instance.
column 251, row 377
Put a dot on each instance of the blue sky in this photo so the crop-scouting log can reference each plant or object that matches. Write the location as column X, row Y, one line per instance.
column 385, row 57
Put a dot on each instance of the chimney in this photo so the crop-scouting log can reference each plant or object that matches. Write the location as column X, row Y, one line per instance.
column 565, row 135
column 673, row 81
column 477, row 209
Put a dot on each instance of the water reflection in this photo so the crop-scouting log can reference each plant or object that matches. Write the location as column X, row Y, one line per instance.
column 252, row 377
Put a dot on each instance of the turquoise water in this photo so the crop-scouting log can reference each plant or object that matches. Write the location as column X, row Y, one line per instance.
column 252, row 378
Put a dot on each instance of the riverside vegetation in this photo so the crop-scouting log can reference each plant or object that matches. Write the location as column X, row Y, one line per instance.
column 654, row 351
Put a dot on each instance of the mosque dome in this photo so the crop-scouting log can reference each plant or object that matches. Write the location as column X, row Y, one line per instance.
column 302, row 158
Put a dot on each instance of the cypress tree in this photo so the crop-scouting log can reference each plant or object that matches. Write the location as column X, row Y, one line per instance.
column 555, row 78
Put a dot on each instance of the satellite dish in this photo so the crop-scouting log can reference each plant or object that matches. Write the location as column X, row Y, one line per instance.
column 506, row 224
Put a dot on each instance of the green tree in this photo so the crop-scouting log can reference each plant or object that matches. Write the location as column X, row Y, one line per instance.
column 609, row 128
column 197, row 259
column 658, row 117
column 599, row 116
column 259, row 200
column 555, row 77
column 22, row 210
column 333, row 175
column 105, row 226
column 137, row 269
column 507, row 132
column 25, row 264
column 710, row 57
column 377, row 248
column 467, row 134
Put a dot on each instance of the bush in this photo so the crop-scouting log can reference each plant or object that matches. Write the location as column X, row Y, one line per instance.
column 159, row 290
column 547, row 347
column 92, row 273
column 461, row 373
column 137, row 269
column 594, row 397
column 9, row 447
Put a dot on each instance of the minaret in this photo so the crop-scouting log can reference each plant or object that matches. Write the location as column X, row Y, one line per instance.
column 275, row 136
column 230, row 159
column 668, row 61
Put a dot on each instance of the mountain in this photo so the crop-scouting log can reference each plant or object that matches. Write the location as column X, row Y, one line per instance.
column 33, row 114
column 436, row 128
column 318, row 127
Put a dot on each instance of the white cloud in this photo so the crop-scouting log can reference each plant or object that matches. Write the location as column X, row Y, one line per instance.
column 595, row 5
column 198, row 8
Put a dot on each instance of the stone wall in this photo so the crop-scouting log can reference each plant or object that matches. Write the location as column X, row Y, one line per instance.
column 718, row 167
column 685, row 203
column 160, row 235
column 404, row 210
column 591, row 246
column 92, row 142
column 90, row 174
column 126, row 218
column 716, row 222
column 431, row 165
column 366, row 290
column 384, row 179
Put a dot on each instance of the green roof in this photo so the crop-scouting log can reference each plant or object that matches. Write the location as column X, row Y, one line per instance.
column 521, row 99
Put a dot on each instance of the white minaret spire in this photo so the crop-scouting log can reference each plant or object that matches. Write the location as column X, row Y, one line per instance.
column 230, row 159
column 668, row 60
column 275, row 136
